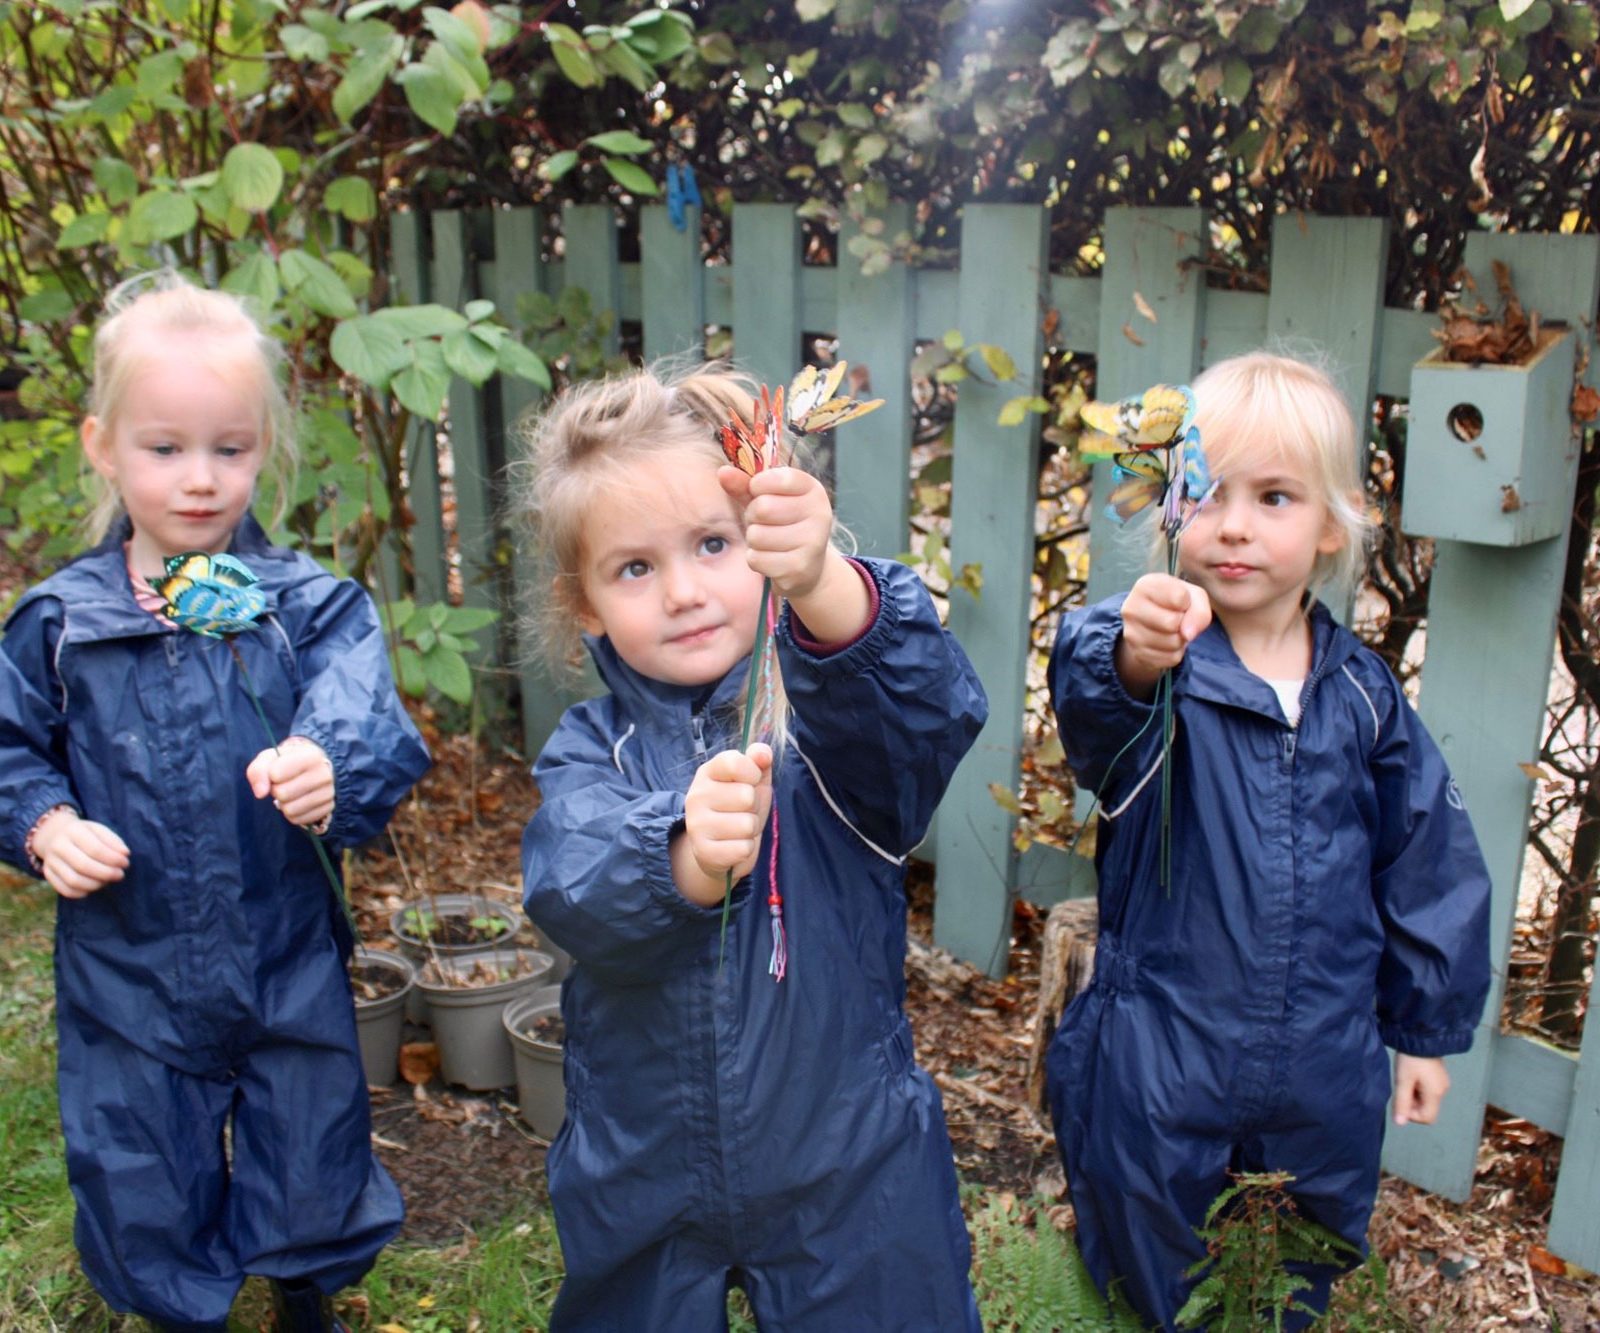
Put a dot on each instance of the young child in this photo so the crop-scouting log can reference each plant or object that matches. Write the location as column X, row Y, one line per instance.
column 1327, row 897
column 200, row 986
column 726, row 1127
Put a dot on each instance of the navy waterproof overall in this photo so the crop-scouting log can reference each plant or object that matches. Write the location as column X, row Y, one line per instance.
column 206, row 989
column 1327, row 899
column 722, row 1127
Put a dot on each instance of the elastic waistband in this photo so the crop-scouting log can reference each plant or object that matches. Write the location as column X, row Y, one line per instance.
column 1115, row 969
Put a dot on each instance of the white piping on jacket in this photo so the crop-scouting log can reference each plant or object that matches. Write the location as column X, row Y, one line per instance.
column 1376, row 726
column 616, row 750
column 834, row 806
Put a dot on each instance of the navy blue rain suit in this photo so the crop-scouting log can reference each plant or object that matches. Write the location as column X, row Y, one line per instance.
column 1327, row 899
column 207, row 986
column 721, row 1126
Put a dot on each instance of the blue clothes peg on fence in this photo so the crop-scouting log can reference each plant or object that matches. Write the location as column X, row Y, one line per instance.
column 682, row 191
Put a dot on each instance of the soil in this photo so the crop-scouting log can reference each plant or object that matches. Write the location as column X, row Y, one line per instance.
column 462, row 1160
column 373, row 981
column 550, row 1030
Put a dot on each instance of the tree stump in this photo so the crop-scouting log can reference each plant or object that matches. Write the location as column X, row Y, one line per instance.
column 1066, row 962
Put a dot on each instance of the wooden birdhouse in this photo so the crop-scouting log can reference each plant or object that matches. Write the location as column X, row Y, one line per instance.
column 1490, row 449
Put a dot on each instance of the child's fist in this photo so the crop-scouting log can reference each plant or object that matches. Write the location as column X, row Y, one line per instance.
column 299, row 778
column 76, row 855
column 788, row 525
column 724, row 813
column 1420, row 1083
column 1161, row 616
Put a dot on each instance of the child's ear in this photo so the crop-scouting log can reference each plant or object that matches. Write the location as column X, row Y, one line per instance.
column 567, row 590
column 1334, row 535
column 96, row 448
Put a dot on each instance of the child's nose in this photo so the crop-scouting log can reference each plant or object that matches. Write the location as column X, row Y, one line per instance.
column 1233, row 522
column 201, row 474
column 683, row 585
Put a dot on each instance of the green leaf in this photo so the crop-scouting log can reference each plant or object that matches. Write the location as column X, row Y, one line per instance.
column 117, row 179
column 301, row 43
column 431, row 97
column 453, row 32
column 252, row 177
column 476, row 310
column 1512, row 10
column 630, row 176
column 420, row 321
column 554, row 167
column 870, row 148
column 316, row 283
column 468, row 77
column 369, row 349
column 159, row 215
column 717, row 48
column 422, row 385
column 1005, row 798
column 999, row 361
column 1014, row 412
column 1236, row 80
column 468, row 357
column 469, row 619
column 619, row 141
column 85, row 229
column 45, row 307
column 449, row 674
column 366, row 74
column 515, row 359
column 812, row 10
column 256, row 278
column 159, row 73
column 413, row 679
column 856, row 116
column 575, row 62
column 351, row 197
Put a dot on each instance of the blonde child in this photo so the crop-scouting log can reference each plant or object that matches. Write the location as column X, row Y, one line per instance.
column 1327, row 897
column 200, row 984
column 725, row 1127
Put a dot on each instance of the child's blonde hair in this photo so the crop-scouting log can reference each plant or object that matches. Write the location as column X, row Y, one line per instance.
column 1263, row 403
column 166, row 301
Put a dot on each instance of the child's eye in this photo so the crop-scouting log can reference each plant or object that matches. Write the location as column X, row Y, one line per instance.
column 232, row 450
column 713, row 545
column 162, row 449
column 1277, row 499
column 634, row 569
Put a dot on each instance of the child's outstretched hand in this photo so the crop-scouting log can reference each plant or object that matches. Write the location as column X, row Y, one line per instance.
column 723, row 815
column 77, row 855
column 1420, row 1083
column 789, row 531
column 1161, row 617
column 788, row 524
column 299, row 778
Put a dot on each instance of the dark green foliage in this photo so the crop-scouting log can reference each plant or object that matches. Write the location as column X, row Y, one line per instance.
column 1252, row 1233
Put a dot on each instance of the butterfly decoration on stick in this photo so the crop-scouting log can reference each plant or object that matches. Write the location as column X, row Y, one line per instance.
column 1158, row 463
column 754, row 446
column 219, row 597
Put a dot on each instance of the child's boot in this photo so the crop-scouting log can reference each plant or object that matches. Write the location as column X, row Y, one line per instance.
column 301, row 1307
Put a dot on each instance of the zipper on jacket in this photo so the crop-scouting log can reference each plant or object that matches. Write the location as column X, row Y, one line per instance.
column 1288, row 747
column 171, row 644
column 699, row 725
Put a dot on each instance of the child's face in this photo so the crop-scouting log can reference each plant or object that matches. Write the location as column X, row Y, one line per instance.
column 663, row 572
column 185, row 445
column 1254, row 546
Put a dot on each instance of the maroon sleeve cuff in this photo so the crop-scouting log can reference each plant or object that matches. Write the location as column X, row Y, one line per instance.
column 802, row 636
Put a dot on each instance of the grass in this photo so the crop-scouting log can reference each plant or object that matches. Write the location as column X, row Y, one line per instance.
column 1027, row 1276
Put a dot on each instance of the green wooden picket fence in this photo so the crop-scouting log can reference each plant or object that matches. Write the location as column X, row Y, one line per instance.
column 1492, row 613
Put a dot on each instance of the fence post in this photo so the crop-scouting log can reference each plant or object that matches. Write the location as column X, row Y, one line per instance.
column 672, row 283
column 518, row 241
column 1485, row 679
column 872, row 459
column 1147, row 252
column 455, row 282
column 412, row 287
column 766, row 291
column 994, row 494
column 589, row 232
